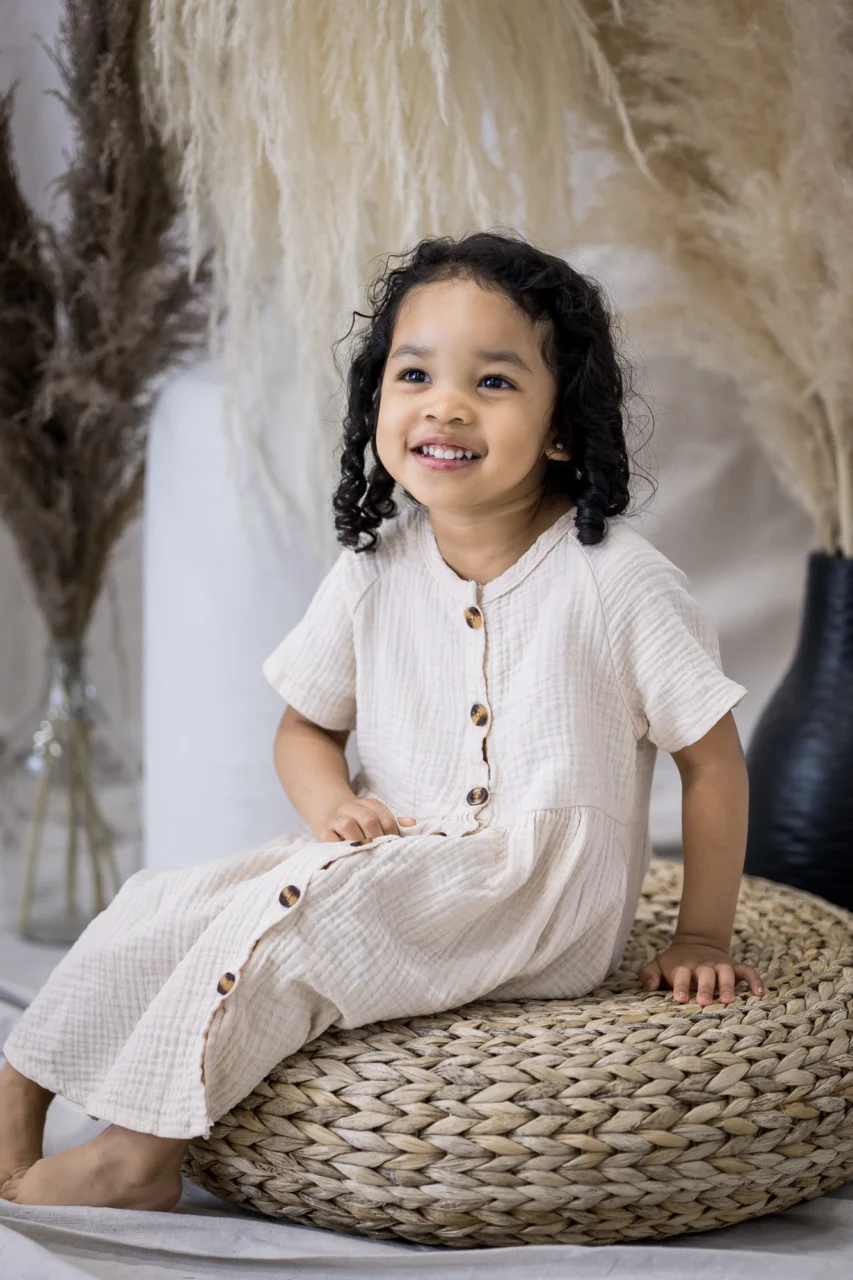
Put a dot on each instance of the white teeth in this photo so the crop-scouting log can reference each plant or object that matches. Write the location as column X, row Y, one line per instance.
column 436, row 451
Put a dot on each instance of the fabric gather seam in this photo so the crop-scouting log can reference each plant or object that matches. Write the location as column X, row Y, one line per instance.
column 638, row 822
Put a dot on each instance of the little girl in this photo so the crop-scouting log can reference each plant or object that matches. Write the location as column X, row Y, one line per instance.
column 512, row 665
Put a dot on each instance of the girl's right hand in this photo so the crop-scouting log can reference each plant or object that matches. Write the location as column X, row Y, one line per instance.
column 362, row 820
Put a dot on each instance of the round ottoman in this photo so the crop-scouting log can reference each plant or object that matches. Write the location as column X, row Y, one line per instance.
column 620, row 1116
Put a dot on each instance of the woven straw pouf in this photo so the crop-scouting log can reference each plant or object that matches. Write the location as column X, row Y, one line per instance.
column 620, row 1116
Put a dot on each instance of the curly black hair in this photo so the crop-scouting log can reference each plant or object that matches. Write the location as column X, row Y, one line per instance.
column 593, row 379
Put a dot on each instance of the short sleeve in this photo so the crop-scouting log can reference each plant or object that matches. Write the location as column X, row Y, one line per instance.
column 667, row 655
column 313, row 667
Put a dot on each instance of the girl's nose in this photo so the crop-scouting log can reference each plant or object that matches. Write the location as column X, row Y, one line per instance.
column 449, row 412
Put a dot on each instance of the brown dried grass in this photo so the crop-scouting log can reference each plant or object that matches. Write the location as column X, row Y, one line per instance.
column 93, row 314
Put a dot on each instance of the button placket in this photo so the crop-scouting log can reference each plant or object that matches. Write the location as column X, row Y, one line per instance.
column 287, row 897
column 479, row 716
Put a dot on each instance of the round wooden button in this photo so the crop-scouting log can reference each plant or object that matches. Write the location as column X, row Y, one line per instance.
column 357, row 843
column 225, row 983
column 479, row 714
column 438, row 833
column 473, row 617
column 289, row 895
column 477, row 795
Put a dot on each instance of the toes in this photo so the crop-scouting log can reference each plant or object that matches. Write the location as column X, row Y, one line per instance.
column 10, row 1184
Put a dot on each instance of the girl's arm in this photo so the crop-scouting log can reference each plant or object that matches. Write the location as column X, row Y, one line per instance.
column 714, row 818
column 714, row 805
column 714, row 815
column 313, row 769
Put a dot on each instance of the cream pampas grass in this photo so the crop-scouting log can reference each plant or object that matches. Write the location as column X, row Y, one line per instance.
column 316, row 137
column 744, row 112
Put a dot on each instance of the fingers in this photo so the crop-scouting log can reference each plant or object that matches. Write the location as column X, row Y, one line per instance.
column 745, row 973
column 681, row 982
column 380, row 820
column 390, row 824
column 709, row 977
column 726, row 980
column 706, row 981
column 723, row 976
column 363, row 820
column 650, row 976
column 351, row 822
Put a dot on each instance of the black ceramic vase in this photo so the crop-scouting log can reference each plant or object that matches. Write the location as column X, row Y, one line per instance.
column 800, row 757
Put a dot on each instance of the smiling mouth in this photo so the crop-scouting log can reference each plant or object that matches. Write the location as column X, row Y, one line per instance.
column 457, row 460
column 432, row 463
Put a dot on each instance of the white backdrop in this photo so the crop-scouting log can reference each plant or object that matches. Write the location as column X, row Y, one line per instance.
column 220, row 588
column 215, row 605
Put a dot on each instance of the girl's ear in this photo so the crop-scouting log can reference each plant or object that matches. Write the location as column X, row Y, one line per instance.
column 558, row 453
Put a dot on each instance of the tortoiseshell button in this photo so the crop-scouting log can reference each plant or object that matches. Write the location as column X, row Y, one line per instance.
column 473, row 617
column 355, row 843
column 479, row 714
column 477, row 795
column 438, row 833
column 225, row 983
column 289, row 895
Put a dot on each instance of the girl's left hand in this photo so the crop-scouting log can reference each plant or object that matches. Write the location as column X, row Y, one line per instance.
column 710, row 966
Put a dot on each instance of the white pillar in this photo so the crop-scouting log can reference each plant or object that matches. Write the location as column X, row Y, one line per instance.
column 218, row 595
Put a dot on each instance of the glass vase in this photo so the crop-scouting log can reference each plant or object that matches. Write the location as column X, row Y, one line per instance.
column 70, row 813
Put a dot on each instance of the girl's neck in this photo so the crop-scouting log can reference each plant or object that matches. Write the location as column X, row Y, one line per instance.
column 481, row 547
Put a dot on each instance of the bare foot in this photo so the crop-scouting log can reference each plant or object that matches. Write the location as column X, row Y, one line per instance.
column 23, row 1109
column 105, row 1172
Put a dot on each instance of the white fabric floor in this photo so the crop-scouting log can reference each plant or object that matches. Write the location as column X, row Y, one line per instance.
column 206, row 1237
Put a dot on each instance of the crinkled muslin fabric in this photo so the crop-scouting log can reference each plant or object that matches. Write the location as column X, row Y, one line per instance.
column 518, row 721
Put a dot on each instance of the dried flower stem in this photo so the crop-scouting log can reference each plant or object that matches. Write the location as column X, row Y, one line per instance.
column 79, row 761
column 42, row 796
column 84, row 817
column 99, row 833
column 71, row 853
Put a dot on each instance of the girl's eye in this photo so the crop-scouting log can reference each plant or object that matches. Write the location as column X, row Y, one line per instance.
column 499, row 376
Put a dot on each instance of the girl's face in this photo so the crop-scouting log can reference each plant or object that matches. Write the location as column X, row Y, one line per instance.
column 465, row 371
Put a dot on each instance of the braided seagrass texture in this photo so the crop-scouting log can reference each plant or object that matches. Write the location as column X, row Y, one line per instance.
column 619, row 1116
